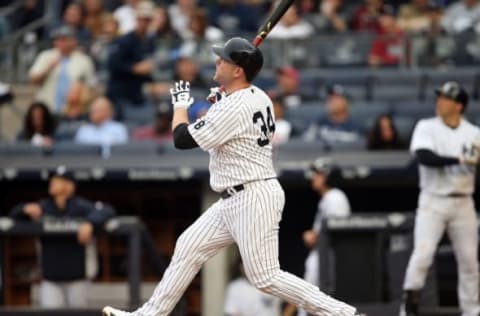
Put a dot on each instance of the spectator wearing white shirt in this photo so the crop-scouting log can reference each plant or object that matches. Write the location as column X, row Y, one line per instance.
column 102, row 130
column 292, row 26
column 55, row 69
column 462, row 16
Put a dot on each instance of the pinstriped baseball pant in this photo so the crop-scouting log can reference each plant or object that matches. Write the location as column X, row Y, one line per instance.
column 251, row 219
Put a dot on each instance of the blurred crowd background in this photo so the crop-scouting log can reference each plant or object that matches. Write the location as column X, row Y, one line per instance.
column 349, row 73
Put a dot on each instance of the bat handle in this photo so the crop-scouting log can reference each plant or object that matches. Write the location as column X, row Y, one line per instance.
column 257, row 41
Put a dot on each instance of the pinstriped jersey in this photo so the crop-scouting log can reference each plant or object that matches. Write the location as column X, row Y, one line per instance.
column 237, row 132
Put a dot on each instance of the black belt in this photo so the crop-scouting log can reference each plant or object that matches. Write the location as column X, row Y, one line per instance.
column 459, row 195
column 235, row 189
column 231, row 191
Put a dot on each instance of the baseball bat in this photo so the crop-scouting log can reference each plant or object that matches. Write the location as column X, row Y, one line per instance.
column 272, row 20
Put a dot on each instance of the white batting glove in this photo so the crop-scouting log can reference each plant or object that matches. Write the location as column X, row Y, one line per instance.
column 181, row 98
column 216, row 94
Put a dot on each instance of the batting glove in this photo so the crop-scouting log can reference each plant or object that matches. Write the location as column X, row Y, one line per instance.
column 216, row 94
column 181, row 98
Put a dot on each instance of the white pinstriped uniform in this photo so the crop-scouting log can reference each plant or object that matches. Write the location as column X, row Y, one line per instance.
column 237, row 133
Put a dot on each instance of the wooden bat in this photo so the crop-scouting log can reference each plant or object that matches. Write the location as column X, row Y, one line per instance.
column 272, row 20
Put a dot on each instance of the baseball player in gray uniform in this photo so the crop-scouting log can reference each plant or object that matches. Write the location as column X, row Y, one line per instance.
column 236, row 132
column 446, row 148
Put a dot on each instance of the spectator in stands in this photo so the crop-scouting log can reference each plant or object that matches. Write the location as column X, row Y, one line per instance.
column 287, row 88
column 333, row 204
column 161, row 26
column 38, row 126
column 337, row 127
column 367, row 16
column 292, row 26
column 416, row 16
column 180, row 13
column 126, row 16
column 167, row 40
column 235, row 16
column 75, row 112
column 161, row 130
column 462, row 16
column 187, row 70
column 73, row 16
column 384, row 135
column 100, row 48
column 331, row 18
column 199, row 38
column 283, row 128
column 243, row 299
column 76, row 107
column 131, row 64
column 388, row 49
column 54, row 70
column 102, row 129
column 67, row 262
column 95, row 16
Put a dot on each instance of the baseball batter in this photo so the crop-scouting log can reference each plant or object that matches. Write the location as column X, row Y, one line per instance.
column 237, row 132
column 446, row 148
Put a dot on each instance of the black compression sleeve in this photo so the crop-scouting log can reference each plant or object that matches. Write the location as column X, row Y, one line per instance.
column 429, row 158
column 182, row 139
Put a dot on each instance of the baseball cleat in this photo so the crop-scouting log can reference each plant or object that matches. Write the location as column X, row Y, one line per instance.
column 110, row 311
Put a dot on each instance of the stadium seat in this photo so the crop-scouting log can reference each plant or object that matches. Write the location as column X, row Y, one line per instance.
column 20, row 148
column 74, row 149
column 301, row 117
column 404, row 126
column 414, row 109
column 365, row 114
column 137, row 148
column 345, row 50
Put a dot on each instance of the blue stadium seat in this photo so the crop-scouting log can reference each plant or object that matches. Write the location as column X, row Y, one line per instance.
column 20, row 148
column 138, row 148
column 302, row 116
column 414, row 109
column 404, row 126
column 365, row 114
column 74, row 149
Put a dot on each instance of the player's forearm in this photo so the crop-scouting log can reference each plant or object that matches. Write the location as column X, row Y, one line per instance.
column 182, row 139
column 429, row 158
column 180, row 116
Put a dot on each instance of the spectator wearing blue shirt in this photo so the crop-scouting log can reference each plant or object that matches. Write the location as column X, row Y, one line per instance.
column 130, row 64
column 102, row 130
column 337, row 126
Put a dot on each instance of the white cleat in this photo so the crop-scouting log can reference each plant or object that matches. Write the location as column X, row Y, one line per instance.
column 110, row 311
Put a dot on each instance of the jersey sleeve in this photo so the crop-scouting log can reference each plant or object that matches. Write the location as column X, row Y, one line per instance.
column 217, row 126
column 422, row 138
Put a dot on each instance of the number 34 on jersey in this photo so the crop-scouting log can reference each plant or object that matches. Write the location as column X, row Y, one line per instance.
column 267, row 126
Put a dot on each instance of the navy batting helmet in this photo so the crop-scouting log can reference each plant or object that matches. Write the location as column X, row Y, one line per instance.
column 242, row 53
column 454, row 91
